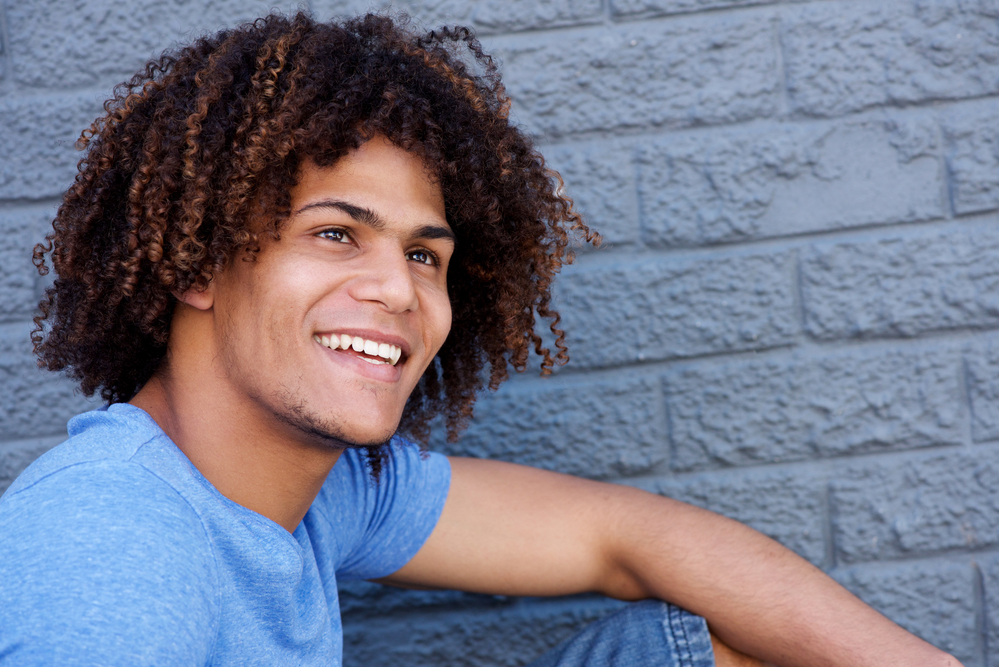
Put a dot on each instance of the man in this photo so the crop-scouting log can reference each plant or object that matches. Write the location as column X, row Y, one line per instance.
column 287, row 242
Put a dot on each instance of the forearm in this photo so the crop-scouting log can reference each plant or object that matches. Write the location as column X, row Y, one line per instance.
column 757, row 596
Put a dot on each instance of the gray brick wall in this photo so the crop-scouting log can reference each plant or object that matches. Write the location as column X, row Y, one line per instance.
column 794, row 320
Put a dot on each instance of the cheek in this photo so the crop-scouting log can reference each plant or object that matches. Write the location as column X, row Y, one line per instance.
column 442, row 320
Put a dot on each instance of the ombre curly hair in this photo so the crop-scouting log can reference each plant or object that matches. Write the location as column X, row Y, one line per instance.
column 212, row 134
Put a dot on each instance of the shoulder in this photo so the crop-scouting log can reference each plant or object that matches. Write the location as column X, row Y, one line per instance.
column 105, row 549
column 378, row 525
column 406, row 470
column 113, row 433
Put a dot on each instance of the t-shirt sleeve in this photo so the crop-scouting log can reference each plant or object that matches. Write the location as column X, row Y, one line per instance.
column 380, row 525
column 104, row 564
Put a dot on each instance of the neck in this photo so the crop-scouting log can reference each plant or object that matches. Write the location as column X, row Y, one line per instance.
column 254, row 461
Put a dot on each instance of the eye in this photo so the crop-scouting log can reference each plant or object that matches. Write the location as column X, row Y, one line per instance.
column 335, row 235
column 423, row 257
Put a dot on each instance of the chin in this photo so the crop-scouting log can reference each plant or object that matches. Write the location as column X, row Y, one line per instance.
column 330, row 431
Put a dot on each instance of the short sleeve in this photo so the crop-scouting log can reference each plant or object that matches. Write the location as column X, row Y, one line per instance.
column 104, row 564
column 378, row 526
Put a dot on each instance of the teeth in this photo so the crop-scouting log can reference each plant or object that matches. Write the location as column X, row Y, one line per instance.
column 390, row 353
column 377, row 362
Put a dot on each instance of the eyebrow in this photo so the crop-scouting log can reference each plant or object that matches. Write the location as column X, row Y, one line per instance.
column 369, row 218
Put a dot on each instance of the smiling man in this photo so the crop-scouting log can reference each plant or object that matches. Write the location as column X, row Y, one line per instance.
column 287, row 244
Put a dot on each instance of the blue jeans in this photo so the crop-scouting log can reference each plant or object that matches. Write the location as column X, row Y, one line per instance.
column 642, row 634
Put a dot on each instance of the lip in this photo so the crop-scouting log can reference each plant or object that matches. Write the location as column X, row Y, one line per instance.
column 350, row 361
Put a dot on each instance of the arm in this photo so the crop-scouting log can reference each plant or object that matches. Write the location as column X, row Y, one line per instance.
column 513, row 530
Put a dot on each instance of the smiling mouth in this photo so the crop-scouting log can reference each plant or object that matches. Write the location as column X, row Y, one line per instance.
column 370, row 351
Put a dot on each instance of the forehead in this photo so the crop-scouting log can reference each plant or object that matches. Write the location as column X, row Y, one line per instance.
column 378, row 176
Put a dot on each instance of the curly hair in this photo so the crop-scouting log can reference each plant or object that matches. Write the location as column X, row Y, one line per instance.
column 212, row 134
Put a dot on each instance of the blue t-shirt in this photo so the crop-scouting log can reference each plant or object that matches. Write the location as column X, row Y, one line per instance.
column 115, row 550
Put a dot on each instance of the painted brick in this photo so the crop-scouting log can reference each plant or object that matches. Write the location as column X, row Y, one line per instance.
column 787, row 505
column 933, row 600
column 666, row 308
column 428, row 13
column 989, row 565
column 55, row 43
column 788, row 179
column 902, row 285
column 36, row 403
column 896, row 508
column 600, row 178
column 364, row 598
column 512, row 636
column 487, row 16
column 504, row 15
column 22, row 229
column 679, row 73
column 845, row 56
column 37, row 154
column 18, row 455
column 982, row 364
column 594, row 429
column 972, row 138
column 751, row 412
column 634, row 8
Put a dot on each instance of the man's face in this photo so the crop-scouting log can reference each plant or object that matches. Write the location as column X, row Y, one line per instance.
column 361, row 261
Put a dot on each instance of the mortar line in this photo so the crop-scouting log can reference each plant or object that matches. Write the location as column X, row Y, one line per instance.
column 965, row 401
column 981, row 613
column 783, row 101
column 829, row 536
column 7, row 84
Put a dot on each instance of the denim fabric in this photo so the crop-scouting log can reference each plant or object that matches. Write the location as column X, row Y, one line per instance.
column 644, row 634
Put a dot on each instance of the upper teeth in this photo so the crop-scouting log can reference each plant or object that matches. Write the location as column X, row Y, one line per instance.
column 358, row 344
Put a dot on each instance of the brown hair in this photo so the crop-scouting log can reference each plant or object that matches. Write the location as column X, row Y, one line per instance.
column 213, row 132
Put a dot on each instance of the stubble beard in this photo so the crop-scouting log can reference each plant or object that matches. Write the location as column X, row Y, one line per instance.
column 289, row 408
column 322, row 431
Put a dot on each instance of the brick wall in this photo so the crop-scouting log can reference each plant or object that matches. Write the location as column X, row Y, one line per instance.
column 794, row 320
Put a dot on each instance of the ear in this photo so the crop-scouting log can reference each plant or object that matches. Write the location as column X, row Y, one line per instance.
column 202, row 299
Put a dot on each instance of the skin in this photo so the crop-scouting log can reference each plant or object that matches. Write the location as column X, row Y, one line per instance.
column 264, row 412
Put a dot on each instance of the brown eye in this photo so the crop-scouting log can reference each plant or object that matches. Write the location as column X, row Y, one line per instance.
column 423, row 257
column 336, row 235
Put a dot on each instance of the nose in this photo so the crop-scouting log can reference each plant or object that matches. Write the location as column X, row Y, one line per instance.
column 386, row 280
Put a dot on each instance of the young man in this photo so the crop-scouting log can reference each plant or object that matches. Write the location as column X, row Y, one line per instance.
column 287, row 242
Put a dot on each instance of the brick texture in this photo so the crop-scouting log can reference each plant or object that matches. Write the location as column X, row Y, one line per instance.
column 35, row 403
column 895, row 509
column 842, row 57
column 788, row 179
column 665, row 309
column 644, row 8
column 508, row 637
column 789, row 506
column 801, row 408
column 936, row 599
column 552, row 424
column 487, row 16
column 902, row 285
column 600, row 179
column 46, row 128
column 50, row 50
column 18, row 277
column 680, row 73
column 973, row 158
